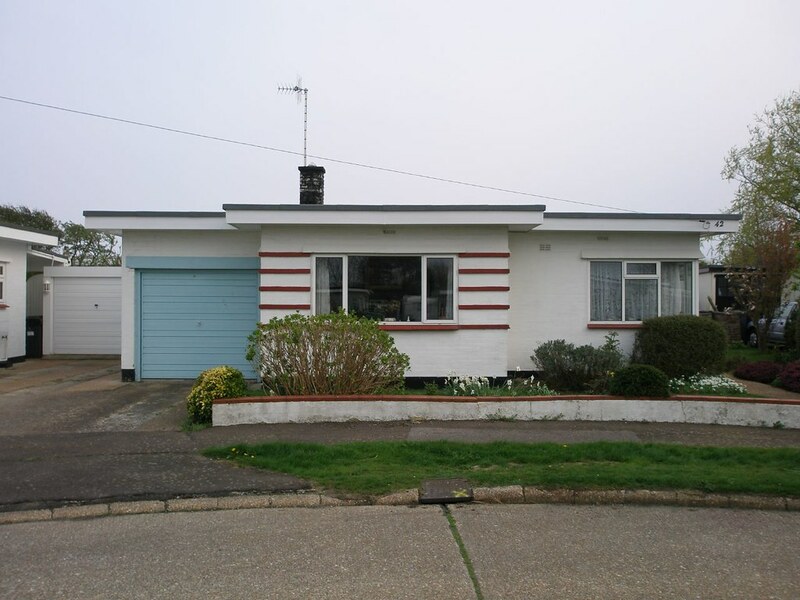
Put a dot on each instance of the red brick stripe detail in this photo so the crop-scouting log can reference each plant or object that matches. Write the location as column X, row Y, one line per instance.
column 483, row 307
column 483, row 271
column 484, row 254
column 284, row 288
column 437, row 327
column 3, row 306
column 614, row 326
column 419, row 327
column 474, row 399
column 483, row 288
column 285, row 271
column 285, row 306
column 284, row 254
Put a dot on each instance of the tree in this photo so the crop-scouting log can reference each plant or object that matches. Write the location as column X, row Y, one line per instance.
column 762, row 259
column 89, row 248
column 768, row 168
column 81, row 246
column 763, row 255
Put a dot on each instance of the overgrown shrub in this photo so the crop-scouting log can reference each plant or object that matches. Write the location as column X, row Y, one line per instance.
column 214, row 383
column 681, row 345
column 567, row 367
column 640, row 381
column 789, row 377
column 325, row 354
column 764, row 371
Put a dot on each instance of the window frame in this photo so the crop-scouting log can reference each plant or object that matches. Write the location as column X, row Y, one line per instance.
column 657, row 277
column 3, row 284
column 423, row 287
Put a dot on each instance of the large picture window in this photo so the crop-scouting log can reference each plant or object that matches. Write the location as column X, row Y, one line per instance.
column 638, row 290
column 387, row 288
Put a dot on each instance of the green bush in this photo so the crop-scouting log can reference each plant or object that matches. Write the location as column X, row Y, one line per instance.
column 566, row 367
column 681, row 345
column 640, row 381
column 325, row 354
column 218, row 382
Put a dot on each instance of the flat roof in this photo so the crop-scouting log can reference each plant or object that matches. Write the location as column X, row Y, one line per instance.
column 389, row 207
column 29, row 229
column 597, row 215
column 153, row 213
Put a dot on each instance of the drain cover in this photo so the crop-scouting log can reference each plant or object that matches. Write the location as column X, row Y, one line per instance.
column 445, row 491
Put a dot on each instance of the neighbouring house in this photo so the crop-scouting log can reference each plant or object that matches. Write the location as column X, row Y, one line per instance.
column 463, row 289
column 23, row 255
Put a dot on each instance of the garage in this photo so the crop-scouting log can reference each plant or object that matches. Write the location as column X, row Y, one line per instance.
column 82, row 310
column 192, row 320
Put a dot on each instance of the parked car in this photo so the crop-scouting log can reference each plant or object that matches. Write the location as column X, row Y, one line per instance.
column 776, row 333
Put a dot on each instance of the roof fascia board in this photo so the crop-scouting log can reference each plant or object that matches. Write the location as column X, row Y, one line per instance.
column 700, row 224
column 519, row 220
column 28, row 237
column 48, row 256
column 118, row 222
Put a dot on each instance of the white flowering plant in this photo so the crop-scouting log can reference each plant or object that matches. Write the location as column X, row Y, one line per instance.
column 468, row 385
column 707, row 385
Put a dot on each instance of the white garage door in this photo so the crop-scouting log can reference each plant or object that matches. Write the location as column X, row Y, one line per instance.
column 86, row 315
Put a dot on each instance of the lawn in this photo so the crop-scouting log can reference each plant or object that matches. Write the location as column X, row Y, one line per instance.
column 383, row 467
column 739, row 353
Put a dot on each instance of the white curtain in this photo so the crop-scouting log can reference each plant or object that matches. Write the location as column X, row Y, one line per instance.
column 440, row 288
column 606, row 291
column 641, row 299
column 328, row 282
column 676, row 288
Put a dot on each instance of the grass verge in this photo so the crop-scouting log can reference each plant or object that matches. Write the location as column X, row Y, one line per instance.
column 383, row 467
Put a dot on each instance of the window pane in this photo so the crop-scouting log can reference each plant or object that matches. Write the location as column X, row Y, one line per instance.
column 676, row 288
column 328, row 284
column 606, row 291
column 640, row 268
column 440, row 289
column 387, row 288
column 641, row 299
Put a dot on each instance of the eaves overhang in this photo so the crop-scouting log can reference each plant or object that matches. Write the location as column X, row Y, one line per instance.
column 700, row 223
column 28, row 236
column 117, row 221
column 514, row 217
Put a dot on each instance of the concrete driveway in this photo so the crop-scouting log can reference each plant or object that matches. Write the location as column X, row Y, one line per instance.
column 72, row 395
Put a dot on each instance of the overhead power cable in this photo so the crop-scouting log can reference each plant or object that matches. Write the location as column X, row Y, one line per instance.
column 325, row 158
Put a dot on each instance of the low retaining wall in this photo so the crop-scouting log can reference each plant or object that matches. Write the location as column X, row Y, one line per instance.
column 758, row 412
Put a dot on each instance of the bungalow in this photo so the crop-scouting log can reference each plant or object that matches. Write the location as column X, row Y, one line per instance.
column 21, row 255
column 463, row 289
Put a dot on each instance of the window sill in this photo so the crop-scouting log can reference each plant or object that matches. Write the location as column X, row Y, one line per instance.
column 614, row 326
column 417, row 327
column 439, row 327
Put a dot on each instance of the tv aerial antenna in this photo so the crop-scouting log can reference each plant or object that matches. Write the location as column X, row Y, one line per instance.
column 300, row 92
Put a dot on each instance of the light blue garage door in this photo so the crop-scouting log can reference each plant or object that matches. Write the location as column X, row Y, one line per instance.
column 191, row 320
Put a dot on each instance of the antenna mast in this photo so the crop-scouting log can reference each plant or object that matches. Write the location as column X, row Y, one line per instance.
column 298, row 89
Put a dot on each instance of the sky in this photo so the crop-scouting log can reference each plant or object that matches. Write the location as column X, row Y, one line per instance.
column 625, row 104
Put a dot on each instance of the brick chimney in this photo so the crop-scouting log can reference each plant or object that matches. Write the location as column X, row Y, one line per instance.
column 312, row 184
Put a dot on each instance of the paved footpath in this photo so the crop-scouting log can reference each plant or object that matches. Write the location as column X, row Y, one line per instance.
column 508, row 552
